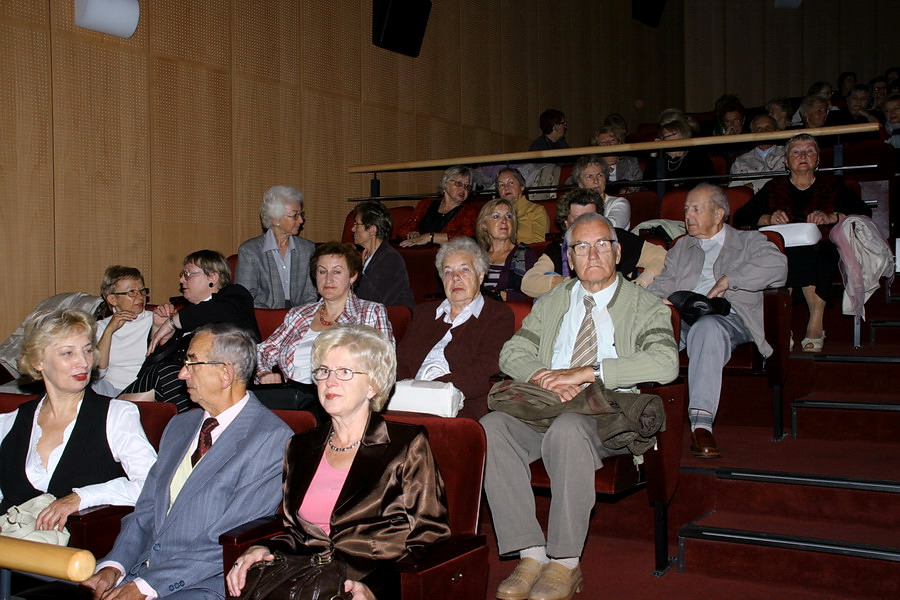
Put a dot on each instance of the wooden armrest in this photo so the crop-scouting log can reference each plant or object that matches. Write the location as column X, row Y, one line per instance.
column 96, row 528
column 439, row 554
column 257, row 529
column 96, row 514
column 60, row 562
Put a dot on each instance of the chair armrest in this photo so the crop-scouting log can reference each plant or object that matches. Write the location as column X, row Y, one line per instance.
column 439, row 554
column 777, row 308
column 96, row 528
column 663, row 465
column 237, row 540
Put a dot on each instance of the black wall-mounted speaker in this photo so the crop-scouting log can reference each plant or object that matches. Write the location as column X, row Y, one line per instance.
column 648, row 12
column 399, row 25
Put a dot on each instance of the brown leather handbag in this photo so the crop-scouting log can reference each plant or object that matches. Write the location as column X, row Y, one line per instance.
column 297, row 577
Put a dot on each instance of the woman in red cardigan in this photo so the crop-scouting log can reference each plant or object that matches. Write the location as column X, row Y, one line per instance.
column 458, row 339
column 437, row 220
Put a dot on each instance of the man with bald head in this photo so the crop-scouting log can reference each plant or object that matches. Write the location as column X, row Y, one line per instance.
column 716, row 260
column 594, row 327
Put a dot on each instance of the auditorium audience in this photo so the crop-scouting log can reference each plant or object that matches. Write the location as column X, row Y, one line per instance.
column 274, row 267
column 858, row 109
column 845, row 83
column 508, row 260
column 878, row 88
column 383, row 278
column 397, row 507
column 682, row 162
column 640, row 261
column 813, row 113
column 805, row 196
column 765, row 157
column 532, row 221
column 335, row 266
column 83, row 448
column 553, row 131
column 892, row 120
column 122, row 337
column 621, row 168
column 437, row 220
column 591, row 172
column 730, row 119
column 206, row 286
column 819, row 89
column 458, row 339
column 780, row 110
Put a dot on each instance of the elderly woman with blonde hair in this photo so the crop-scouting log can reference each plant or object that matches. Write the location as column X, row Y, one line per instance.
column 83, row 448
column 458, row 340
column 396, row 506
column 274, row 267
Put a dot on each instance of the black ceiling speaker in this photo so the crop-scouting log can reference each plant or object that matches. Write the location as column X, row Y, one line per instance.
column 399, row 25
column 648, row 12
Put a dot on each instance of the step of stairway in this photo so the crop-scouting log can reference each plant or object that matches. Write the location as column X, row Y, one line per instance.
column 826, row 554
column 838, row 415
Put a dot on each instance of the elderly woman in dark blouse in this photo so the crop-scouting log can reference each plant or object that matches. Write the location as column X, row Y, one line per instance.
column 805, row 196
column 458, row 340
column 383, row 278
column 437, row 220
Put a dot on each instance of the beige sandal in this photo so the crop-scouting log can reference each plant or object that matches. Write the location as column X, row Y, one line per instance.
column 813, row 344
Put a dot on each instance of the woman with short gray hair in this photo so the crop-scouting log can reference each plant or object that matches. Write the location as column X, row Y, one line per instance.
column 458, row 340
column 274, row 267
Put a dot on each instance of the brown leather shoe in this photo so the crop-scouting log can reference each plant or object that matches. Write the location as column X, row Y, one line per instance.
column 557, row 583
column 518, row 585
column 703, row 444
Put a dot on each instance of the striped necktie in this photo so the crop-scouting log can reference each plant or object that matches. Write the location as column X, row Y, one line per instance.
column 585, row 351
column 204, row 443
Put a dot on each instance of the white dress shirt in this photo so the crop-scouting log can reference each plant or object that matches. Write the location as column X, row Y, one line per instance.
column 435, row 364
column 571, row 323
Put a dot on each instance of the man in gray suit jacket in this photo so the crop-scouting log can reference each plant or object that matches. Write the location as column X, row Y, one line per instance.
column 217, row 468
column 716, row 260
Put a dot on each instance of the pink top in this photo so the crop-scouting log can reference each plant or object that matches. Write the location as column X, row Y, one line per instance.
column 322, row 495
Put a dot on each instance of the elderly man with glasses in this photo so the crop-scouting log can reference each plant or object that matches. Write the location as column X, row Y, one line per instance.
column 595, row 327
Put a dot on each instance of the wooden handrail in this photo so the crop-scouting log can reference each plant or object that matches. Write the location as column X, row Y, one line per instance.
column 59, row 562
column 536, row 156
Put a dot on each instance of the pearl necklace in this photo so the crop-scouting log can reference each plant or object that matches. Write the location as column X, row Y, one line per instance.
column 345, row 448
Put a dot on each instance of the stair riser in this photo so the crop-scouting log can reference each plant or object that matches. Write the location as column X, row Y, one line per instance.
column 878, row 509
column 807, row 570
column 848, row 424
column 807, row 375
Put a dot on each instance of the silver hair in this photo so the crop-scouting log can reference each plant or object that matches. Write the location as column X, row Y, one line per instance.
column 370, row 347
column 468, row 246
column 811, row 101
column 232, row 345
column 759, row 118
column 275, row 201
column 716, row 195
column 591, row 218
column 450, row 174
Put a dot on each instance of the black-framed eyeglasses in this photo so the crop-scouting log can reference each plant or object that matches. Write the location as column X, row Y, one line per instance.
column 194, row 363
column 133, row 293
column 342, row 373
column 602, row 246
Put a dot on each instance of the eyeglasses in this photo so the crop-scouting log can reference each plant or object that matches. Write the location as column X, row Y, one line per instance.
column 133, row 293
column 459, row 184
column 342, row 373
column 189, row 363
column 602, row 246
column 295, row 216
column 355, row 225
column 498, row 216
column 186, row 275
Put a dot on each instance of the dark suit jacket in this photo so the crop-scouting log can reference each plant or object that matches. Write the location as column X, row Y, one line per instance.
column 236, row 482
column 385, row 280
column 258, row 272
column 473, row 354
column 392, row 502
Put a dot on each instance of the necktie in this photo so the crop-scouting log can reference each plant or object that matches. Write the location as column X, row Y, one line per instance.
column 204, row 443
column 585, row 351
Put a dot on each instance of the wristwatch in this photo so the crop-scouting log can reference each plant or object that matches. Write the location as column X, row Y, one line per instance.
column 597, row 373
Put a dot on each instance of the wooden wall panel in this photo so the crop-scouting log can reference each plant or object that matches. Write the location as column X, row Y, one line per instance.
column 27, row 259
column 517, row 120
column 745, row 36
column 191, row 165
column 265, row 39
column 388, row 135
column 480, row 53
column 198, row 30
column 438, row 72
column 704, row 53
column 100, row 107
column 783, row 67
column 35, row 13
column 330, row 48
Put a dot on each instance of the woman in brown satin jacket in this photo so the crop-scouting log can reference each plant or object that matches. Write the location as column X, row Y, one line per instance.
column 365, row 488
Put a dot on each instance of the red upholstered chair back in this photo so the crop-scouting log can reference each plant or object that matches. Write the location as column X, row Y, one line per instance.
column 775, row 238
column 10, row 402
column 459, row 448
column 298, row 420
column 520, row 311
column 269, row 319
column 738, row 196
column 232, row 264
column 644, row 206
column 423, row 277
column 720, row 165
column 399, row 316
column 154, row 418
column 673, row 204
column 550, row 209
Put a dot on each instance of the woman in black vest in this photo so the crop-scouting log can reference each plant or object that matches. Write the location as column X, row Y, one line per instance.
column 52, row 444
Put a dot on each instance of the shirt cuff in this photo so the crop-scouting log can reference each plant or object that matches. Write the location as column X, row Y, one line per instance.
column 117, row 566
column 145, row 589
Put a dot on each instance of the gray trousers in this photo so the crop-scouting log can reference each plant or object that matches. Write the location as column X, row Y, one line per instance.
column 710, row 342
column 571, row 451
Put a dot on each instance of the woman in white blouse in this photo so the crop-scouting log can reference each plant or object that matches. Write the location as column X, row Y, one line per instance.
column 591, row 172
column 51, row 444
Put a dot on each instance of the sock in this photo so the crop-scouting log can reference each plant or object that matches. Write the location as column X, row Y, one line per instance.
column 538, row 553
column 569, row 563
column 700, row 418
